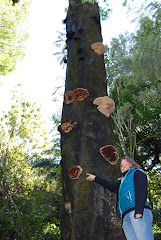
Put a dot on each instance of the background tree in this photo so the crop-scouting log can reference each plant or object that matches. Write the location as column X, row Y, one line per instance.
column 88, row 210
column 13, row 33
column 29, row 202
column 134, row 81
column 134, row 84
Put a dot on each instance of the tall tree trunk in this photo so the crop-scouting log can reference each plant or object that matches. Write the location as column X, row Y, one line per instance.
column 88, row 210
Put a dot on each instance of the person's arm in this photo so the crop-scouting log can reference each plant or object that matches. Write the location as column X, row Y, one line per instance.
column 140, row 185
column 111, row 186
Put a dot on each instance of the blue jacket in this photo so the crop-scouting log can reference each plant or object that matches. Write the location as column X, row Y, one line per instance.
column 126, row 194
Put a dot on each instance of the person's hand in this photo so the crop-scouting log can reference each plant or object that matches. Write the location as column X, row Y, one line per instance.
column 138, row 215
column 90, row 177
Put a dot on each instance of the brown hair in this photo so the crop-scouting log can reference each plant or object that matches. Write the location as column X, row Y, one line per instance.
column 131, row 161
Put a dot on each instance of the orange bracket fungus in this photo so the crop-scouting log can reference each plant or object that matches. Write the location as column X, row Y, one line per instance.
column 109, row 152
column 80, row 94
column 105, row 105
column 99, row 48
column 67, row 126
column 69, row 97
column 75, row 172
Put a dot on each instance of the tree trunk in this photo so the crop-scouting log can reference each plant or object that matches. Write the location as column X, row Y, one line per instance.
column 89, row 211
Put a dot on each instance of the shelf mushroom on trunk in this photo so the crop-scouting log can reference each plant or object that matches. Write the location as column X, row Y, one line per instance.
column 75, row 172
column 80, row 94
column 109, row 152
column 69, row 97
column 67, row 126
column 105, row 105
column 99, row 48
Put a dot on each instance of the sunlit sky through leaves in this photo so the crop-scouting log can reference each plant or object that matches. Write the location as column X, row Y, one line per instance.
column 40, row 72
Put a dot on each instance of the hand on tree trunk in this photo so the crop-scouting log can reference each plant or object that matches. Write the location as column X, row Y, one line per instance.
column 90, row 177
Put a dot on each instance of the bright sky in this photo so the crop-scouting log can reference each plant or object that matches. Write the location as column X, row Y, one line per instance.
column 40, row 72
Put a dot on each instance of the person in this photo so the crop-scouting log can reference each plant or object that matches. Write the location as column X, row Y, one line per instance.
column 132, row 205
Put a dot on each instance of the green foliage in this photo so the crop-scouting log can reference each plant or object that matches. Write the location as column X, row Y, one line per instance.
column 133, row 68
column 89, row 1
column 154, row 178
column 12, row 33
column 134, row 81
column 60, row 43
column 105, row 10
column 124, row 3
column 105, row 13
column 29, row 204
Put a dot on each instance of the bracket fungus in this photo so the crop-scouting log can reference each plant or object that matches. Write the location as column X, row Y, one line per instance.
column 109, row 152
column 75, row 172
column 105, row 105
column 67, row 126
column 99, row 48
column 80, row 94
column 69, row 97
column 77, row 94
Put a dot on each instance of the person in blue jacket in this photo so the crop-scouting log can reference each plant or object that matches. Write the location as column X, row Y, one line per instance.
column 132, row 205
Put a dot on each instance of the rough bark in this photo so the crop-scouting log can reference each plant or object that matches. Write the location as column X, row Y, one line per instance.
column 89, row 211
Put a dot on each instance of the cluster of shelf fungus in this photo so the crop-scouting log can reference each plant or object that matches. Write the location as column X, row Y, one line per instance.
column 104, row 104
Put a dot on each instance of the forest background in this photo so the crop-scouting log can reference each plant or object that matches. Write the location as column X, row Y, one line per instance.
column 30, row 179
